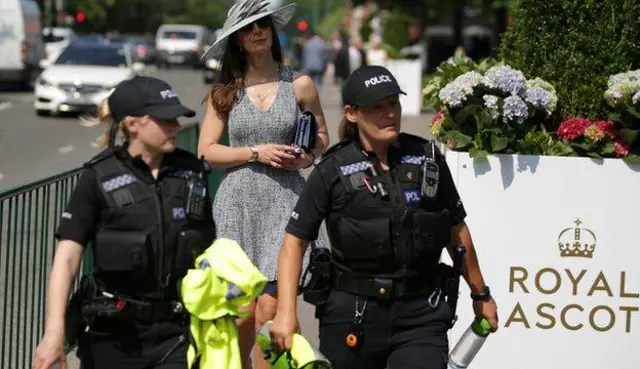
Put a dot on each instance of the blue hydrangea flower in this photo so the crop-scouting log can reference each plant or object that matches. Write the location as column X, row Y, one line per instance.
column 457, row 91
column 505, row 79
column 515, row 110
column 538, row 97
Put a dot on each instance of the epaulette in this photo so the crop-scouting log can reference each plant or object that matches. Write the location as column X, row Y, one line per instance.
column 408, row 138
column 103, row 155
column 333, row 149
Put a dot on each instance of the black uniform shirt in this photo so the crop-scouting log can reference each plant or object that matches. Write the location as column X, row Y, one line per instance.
column 87, row 204
column 323, row 188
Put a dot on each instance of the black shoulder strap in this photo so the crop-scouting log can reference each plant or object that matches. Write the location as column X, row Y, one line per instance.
column 112, row 176
column 103, row 155
column 334, row 148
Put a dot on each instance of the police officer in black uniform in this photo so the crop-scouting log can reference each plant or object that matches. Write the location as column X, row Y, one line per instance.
column 144, row 208
column 390, row 207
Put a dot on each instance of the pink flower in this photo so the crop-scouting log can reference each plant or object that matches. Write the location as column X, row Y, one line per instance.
column 573, row 128
column 620, row 148
column 451, row 142
column 607, row 127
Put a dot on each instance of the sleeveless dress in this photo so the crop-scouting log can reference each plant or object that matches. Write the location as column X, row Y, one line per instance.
column 254, row 201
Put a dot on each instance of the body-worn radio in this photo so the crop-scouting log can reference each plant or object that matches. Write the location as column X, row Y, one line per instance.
column 430, row 176
column 196, row 207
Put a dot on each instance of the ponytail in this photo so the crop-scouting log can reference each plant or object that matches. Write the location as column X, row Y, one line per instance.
column 108, row 138
column 348, row 130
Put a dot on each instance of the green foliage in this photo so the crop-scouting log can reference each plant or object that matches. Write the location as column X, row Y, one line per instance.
column 395, row 28
column 332, row 22
column 575, row 45
column 366, row 30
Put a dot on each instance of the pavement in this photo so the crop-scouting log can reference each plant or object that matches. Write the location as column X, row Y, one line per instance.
column 35, row 147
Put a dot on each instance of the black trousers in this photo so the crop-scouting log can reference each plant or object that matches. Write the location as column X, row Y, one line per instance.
column 134, row 345
column 397, row 334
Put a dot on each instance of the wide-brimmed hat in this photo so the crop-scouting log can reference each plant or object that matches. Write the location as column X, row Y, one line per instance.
column 245, row 12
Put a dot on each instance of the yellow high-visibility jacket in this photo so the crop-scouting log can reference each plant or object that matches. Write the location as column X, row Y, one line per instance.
column 224, row 280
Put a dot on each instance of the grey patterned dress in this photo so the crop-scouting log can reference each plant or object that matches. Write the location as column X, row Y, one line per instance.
column 254, row 201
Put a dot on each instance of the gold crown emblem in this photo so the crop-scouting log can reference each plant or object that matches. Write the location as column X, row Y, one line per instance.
column 577, row 242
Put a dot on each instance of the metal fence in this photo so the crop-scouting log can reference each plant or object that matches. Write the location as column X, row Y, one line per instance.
column 29, row 215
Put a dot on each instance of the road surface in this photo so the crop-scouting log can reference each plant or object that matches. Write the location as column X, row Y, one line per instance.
column 33, row 147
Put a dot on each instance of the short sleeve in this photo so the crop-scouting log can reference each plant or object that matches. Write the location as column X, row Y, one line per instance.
column 311, row 208
column 80, row 217
column 448, row 193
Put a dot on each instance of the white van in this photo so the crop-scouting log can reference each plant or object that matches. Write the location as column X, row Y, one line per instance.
column 180, row 44
column 21, row 45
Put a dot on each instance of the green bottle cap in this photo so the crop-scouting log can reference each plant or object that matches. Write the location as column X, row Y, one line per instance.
column 481, row 326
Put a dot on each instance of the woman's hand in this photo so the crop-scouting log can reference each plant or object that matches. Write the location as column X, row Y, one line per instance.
column 488, row 310
column 304, row 161
column 283, row 327
column 277, row 156
column 49, row 352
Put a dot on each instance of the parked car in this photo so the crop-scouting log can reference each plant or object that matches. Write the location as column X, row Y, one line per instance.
column 211, row 64
column 144, row 51
column 83, row 76
column 21, row 45
column 180, row 44
column 56, row 39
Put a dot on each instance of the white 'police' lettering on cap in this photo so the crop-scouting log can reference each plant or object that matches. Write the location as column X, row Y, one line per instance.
column 383, row 78
column 167, row 94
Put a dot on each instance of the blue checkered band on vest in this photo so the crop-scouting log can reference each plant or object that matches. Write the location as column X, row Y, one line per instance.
column 118, row 182
column 412, row 159
column 354, row 168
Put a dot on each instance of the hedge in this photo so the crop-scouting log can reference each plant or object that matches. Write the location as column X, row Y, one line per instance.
column 575, row 45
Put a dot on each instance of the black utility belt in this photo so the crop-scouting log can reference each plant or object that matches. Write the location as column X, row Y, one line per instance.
column 129, row 308
column 384, row 288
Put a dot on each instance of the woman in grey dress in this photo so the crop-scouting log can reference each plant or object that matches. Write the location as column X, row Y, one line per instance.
column 258, row 99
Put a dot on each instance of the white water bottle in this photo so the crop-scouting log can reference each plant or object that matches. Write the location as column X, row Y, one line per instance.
column 469, row 344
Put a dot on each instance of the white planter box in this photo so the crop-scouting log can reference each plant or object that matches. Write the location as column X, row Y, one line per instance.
column 409, row 76
column 556, row 309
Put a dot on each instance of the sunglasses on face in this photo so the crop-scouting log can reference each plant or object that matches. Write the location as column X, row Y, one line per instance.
column 261, row 23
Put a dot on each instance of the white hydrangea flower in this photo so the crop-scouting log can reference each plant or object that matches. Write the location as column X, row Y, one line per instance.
column 491, row 102
column 505, row 79
column 457, row 91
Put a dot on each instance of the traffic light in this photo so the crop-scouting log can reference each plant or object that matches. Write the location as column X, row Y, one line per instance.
column 81, row 17
column 303, row 26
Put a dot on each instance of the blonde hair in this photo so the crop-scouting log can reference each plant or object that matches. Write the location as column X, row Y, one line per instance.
column 115, row 130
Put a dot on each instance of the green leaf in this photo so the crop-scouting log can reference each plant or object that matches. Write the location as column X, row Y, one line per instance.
column 633, row 112
column 499, row 143
column 464, row 113
column 460, row 140
column 582, row 146
column 608, row 147
column 632, row 159
column 629, row 135
column 478, row 154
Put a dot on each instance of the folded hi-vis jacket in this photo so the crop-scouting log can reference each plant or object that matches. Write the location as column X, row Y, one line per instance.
column 223, row 281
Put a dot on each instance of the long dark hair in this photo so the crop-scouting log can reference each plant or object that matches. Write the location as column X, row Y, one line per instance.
column 348, row 130
column 224, row 93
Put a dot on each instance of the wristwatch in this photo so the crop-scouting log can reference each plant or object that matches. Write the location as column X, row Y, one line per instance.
column 484, row 296
column 254, row 155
